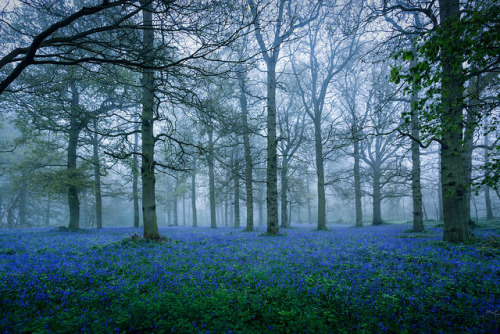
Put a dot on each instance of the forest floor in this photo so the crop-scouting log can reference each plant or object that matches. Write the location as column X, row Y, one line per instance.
column 345, row 280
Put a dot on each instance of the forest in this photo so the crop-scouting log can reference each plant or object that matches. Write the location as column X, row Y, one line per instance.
column 249, row 166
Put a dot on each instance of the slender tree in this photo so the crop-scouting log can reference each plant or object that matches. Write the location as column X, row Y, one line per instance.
column 284, row 23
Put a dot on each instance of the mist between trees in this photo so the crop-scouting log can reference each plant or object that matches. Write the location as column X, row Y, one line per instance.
column 249, row 113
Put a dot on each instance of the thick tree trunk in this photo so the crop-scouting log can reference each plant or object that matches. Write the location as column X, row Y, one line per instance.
column 357, row 185
column 284, row 189
column 456, row 219
column 148, row 140
column 418, row 223
column 97, row 177
column 211, row 178
column 272, row 156
column 377, row 199
column 74, row 132
column 193, row 194
column 320, row 172
column 248, row 156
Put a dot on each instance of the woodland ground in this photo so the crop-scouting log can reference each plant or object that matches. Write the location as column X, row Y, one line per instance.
column 370, row 279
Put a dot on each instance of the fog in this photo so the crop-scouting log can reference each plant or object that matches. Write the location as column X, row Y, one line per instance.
column 269, row 113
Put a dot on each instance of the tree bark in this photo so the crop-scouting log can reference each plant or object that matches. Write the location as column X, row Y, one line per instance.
column 97, row 177
column 377, row 198
column 418, row 223
column 248, row 154
column 148, row 141
column 320, row 174
column 468, row 148
column 261, row 212
column 74, row 132
column 237, row 221
column 487, row 198
column 211, row 178
column 135, row 181
column 22, row 206
column 357, row 185
column 48, row 210
column 456, row 222
column 440, row 193
column 183, row 209
column 193, row 194
column 174, row 203
column 284, row 189
column 272, row 156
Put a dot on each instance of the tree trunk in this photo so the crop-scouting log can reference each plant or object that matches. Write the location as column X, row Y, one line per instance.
column 487, row 198
column 377, row 199
column 48, row 211
column 284, row 189
column 309, row 209
column 467, row 164
column 418, row 223
column 97, row 177
column 456, row 222
column 193, row 194
column 272, row 156
column 211, row 178
column 183, row 209
column 440, row 193
column 320, row 172
column 135, row 180
column 175, row 207
column 237, row 221
column 357, row 184
column 261, row 212
column 148, row 140
column 22, row 206
column 248, row 156
column 74, row 131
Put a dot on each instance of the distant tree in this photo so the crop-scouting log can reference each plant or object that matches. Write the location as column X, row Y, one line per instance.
column 292, row 126
column 380, row 149
column 331, row 43
column 355, row 103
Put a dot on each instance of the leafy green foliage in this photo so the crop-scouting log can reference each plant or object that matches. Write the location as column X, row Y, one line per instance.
column 474, row 39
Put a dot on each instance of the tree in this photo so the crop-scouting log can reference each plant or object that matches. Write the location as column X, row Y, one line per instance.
column 147, row 119
column 245, row 129
column 351, row 89
column 379, row 150
column 341, row 42
column 282, row 23
column 460, row 37
column 292, row 125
